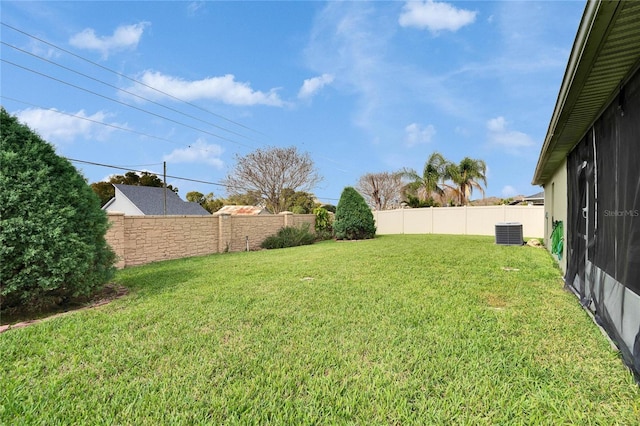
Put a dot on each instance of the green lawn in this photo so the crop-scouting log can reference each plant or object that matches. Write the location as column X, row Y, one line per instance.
column 421, row 329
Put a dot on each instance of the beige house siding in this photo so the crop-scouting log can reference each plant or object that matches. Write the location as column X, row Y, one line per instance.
column 555, row 208
column 138, row 240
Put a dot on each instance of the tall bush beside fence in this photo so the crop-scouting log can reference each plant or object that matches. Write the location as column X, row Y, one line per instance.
column 52, row 238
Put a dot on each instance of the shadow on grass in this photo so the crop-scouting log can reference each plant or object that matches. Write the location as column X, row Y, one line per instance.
column 140, row 281
column 155, row 278
column 102, row 296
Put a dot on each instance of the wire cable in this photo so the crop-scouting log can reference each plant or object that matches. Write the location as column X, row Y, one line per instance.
column 124, row 129
column 121, row 90
column 123, row 103
column 130, row 78
column 148, row 171
column 92, row 163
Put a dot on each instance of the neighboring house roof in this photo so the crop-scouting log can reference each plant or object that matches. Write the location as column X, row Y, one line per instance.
column 243, row 210
column 605, row 54
column 535, row 197
column 148, row 200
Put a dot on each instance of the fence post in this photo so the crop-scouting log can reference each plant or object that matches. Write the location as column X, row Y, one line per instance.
column 466, row 219
column 288, row 218
column 224, row 232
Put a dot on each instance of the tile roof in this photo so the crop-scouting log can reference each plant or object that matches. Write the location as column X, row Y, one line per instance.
column 242, row 210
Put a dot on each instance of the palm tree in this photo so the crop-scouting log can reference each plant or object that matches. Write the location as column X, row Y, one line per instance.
column 466, row 176
column 429, row 183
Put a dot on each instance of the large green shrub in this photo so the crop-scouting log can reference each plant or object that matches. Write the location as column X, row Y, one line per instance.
column 52, row 244
column 354, row 220
column 289, row 237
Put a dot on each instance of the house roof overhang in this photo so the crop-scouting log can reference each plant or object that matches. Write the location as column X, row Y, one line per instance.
column 605, row 54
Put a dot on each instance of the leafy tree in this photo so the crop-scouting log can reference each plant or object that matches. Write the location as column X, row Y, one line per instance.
column 381, row 190
column 52, row 244
column 269, row 172
column 208, row 202
column 195, row 197
column 299, row 202
column 431, row 182
column 416, row 202
column 249, row 198
column 466, row 176
column 354, row 219
column 105, row 190
column 141, row 179
column 329, row 207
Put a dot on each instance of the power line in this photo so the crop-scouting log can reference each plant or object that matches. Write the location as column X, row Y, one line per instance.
column 122, row 103
column 92, row 163
column 130, row 78
column 136, row 95
column 121, row 90
column 125, row 129
column 147, row 171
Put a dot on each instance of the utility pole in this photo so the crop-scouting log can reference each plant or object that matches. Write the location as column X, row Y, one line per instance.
column 165, row 187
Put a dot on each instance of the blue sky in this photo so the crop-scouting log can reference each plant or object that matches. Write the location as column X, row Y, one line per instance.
column 360, row 86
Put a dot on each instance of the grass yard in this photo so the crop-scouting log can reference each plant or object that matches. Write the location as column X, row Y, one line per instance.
column 413, row 329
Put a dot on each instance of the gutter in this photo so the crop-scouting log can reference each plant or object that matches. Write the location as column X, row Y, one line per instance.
column 577, row 51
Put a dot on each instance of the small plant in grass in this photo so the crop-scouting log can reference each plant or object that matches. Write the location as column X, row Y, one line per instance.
column 354, row 220
column 289, row 237
column 324, row 224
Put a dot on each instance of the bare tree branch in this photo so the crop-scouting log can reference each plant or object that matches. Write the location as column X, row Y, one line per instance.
column 381, row 190
column 270, row 171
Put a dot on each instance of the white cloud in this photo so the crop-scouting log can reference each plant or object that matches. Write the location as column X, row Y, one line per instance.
column 198, row 152
column 354, row 41
column 416, row 134
column 124, row 37
column 509, row 191
column 224, row 89
column 499, row 135
column 194, row 6
column 57, row 127
column 435, row 16
column 350, row 39
column 311, row 86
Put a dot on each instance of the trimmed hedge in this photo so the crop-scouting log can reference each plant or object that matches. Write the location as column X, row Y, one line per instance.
column 52, row 244
column 354, row 219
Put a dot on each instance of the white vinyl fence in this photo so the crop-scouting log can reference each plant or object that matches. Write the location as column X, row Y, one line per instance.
column 479, row 220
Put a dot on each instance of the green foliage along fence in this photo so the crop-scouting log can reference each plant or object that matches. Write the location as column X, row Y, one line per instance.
column 52, row 238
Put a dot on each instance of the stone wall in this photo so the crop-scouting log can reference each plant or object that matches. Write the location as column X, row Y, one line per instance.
column 138, row 240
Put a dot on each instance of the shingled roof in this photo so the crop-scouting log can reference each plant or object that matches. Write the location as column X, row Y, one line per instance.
column 150, row 201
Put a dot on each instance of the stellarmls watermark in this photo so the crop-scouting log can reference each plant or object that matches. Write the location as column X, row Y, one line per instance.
column 622, row 213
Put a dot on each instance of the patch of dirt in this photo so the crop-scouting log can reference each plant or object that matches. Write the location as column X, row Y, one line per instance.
column 495, row 301
column 107, row 294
